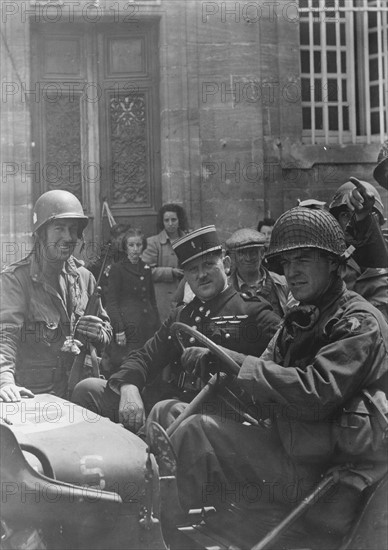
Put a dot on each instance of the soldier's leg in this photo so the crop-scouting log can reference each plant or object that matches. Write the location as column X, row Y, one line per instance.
column 221, row 462
column 164, row 413
column 95, row 395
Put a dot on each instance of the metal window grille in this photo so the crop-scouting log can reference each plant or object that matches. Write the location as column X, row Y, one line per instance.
column 344, row 70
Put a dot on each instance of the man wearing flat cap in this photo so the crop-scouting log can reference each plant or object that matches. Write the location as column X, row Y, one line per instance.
column 218, row 311
column 246, row 250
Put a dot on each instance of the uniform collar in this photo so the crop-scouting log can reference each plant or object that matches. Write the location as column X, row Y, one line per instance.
column 218, row 301
column 259, row 282
column 70, row 267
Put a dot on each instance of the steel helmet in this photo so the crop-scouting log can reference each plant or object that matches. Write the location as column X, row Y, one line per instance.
column 303, row 227
column 339, row 198
column 58, row 204
column 380, row 173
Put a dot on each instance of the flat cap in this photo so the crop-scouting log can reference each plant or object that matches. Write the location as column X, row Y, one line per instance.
column 245, row 238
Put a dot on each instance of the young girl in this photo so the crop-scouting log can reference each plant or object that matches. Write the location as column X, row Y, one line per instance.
column 130, row 298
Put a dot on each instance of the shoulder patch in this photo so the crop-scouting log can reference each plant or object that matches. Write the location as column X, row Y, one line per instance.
column 353, row 324
column 12, row 267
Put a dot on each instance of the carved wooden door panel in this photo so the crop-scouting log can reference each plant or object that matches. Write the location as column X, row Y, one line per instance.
column 95, row 118
column 129, row 136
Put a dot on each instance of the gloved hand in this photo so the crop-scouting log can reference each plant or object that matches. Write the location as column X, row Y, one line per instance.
column 93, row 329
column 360, row 201
column 121, row 339
column 195, row 360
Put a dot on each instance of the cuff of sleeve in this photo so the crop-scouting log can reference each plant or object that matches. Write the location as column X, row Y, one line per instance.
column 118, row 380
column 115, row 386
column 248, row 367
column 170, row 275
column 6, row 379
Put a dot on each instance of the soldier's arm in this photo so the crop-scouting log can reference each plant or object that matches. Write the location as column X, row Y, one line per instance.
column 355, row 355
column 12, row 307
column 364, row 230
column 267, row 322
column 139, row 365
column 371, row 249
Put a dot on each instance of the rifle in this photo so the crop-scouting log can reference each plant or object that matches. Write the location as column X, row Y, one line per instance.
column 83, row 359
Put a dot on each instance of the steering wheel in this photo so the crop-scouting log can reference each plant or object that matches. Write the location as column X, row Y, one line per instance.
column 158, row 438
column 231, row 367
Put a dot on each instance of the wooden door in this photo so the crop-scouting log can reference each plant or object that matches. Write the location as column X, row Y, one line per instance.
column 95, row 118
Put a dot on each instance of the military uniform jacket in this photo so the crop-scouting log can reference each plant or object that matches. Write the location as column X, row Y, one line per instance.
column 310, row 379
column 35, row 320
column 228, row 319
column 130, row 301
column 370, row 282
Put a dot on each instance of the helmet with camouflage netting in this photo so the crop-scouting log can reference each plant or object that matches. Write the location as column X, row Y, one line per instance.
column 303, row 227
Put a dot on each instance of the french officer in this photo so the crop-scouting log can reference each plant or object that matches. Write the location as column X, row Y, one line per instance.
column 218, row 311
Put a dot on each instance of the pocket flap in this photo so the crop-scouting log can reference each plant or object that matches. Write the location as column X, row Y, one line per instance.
column 358, row 406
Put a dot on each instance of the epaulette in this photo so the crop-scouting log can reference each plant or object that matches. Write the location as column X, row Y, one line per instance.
column 20, row 263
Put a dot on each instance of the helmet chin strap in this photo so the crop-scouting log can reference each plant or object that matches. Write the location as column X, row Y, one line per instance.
column 82, row 239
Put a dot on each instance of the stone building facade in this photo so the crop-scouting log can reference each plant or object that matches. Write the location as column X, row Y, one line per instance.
column 212, row 104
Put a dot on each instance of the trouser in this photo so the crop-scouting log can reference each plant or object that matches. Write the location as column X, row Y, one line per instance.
column 227, row 464
column 94, row 394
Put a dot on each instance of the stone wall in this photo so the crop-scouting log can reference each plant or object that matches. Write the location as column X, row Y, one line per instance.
column 230, row 114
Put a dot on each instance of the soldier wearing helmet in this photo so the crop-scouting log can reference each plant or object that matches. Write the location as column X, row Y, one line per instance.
column 43, row 299
column 308, row 389
column 358, row 208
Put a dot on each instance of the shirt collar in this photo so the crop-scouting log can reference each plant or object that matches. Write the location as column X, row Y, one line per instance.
column 261, row 280
column 69, row 268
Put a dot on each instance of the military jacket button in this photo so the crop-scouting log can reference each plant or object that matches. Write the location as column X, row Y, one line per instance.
column 201, row 309
column 192, row 340
column 142, row 278
column 197, row 319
